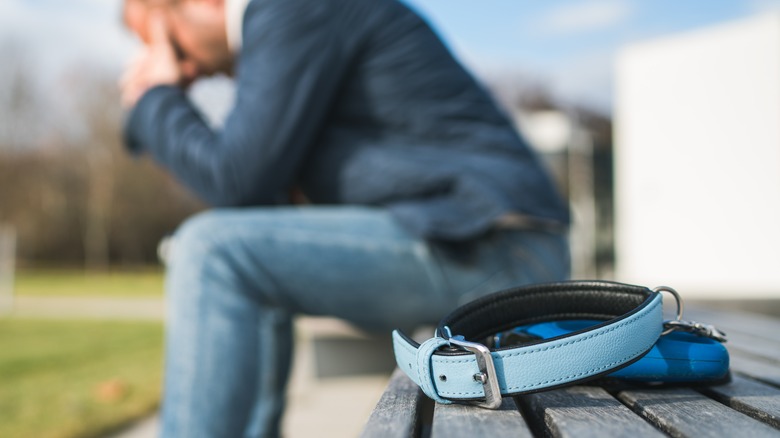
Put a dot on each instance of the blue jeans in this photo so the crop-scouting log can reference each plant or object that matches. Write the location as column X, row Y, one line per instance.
column 237, row 277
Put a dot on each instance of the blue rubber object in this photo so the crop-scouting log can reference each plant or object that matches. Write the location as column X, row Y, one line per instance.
column 676, row 358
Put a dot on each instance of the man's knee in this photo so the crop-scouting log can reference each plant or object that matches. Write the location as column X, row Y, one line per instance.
column 199, row 236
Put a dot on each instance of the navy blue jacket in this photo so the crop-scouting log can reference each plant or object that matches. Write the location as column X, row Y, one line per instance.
column 355, row 102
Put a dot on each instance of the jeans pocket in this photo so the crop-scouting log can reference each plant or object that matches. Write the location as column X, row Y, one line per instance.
column 500, row 260
column 492, row 282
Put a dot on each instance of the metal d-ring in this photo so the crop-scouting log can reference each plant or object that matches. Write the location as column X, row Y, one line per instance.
column 678, row 324
column 680, row 306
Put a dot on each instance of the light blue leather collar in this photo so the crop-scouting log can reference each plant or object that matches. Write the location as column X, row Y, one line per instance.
column 449, row 368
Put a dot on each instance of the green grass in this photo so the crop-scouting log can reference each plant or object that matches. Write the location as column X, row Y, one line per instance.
column 74, row 282
column 76, row 378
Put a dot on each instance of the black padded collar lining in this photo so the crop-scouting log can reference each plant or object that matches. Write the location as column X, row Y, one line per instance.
column 600, row 300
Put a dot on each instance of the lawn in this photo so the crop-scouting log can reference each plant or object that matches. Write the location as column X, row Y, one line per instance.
column 76, row 378
column 75, row 282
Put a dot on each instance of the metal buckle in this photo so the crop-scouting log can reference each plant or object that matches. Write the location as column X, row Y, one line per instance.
column 697, row 328
column 487, row 372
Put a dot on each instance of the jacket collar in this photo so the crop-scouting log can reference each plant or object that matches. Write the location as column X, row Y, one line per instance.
column 234, row 20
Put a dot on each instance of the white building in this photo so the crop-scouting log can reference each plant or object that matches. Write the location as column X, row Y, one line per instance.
column 697, row 161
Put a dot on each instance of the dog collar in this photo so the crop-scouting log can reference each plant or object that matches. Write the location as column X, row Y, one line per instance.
column 455, row 366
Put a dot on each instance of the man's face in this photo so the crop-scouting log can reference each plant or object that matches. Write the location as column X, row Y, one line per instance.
column 196, row 29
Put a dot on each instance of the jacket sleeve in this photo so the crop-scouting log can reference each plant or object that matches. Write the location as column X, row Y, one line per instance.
column 288, row 71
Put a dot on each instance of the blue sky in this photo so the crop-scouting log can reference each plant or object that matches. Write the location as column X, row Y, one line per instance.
column 570, row 44
column 567, row 44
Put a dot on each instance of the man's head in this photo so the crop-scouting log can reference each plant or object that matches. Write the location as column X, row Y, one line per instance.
column 196, row 29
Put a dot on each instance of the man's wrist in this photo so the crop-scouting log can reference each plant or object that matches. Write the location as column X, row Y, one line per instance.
column 144, row 112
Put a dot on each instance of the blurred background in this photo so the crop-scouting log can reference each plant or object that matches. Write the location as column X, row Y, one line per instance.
column 660, row 121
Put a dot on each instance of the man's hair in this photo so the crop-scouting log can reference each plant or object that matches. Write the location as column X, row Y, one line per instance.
column 146, row 4
column 153, row 2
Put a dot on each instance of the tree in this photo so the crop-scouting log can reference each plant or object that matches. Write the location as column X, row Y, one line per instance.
column 66, row 184
column 21, row 125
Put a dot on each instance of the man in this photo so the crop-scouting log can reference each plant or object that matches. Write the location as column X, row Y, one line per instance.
column 423, row 195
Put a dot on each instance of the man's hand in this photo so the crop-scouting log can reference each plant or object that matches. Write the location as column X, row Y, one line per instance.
column 157, row 65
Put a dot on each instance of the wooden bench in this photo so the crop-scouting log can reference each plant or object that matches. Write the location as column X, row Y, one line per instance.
column 749, row 406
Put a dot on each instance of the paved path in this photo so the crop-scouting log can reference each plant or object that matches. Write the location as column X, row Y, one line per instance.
column 145, row 308
column 146, row 428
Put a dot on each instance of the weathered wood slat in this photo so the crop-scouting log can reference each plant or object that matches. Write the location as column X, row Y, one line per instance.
column 469, row 421
column 683, row 412
column 752, row 345
column 585, row 411
column 749, row 348
column 754, row 324
column 398, row 412
column 757, row 369
column 743, row 322
column 757, row 400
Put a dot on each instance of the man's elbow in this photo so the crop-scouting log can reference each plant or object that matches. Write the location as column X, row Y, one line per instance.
column 243, row 192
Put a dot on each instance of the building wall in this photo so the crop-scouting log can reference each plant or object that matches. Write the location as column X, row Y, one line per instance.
column 697, row 161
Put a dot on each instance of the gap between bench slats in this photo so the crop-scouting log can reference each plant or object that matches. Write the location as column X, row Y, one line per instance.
column 760, row 348
column 583, row 411
column 755, row 399
column 756, row 369
column 399, row 412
